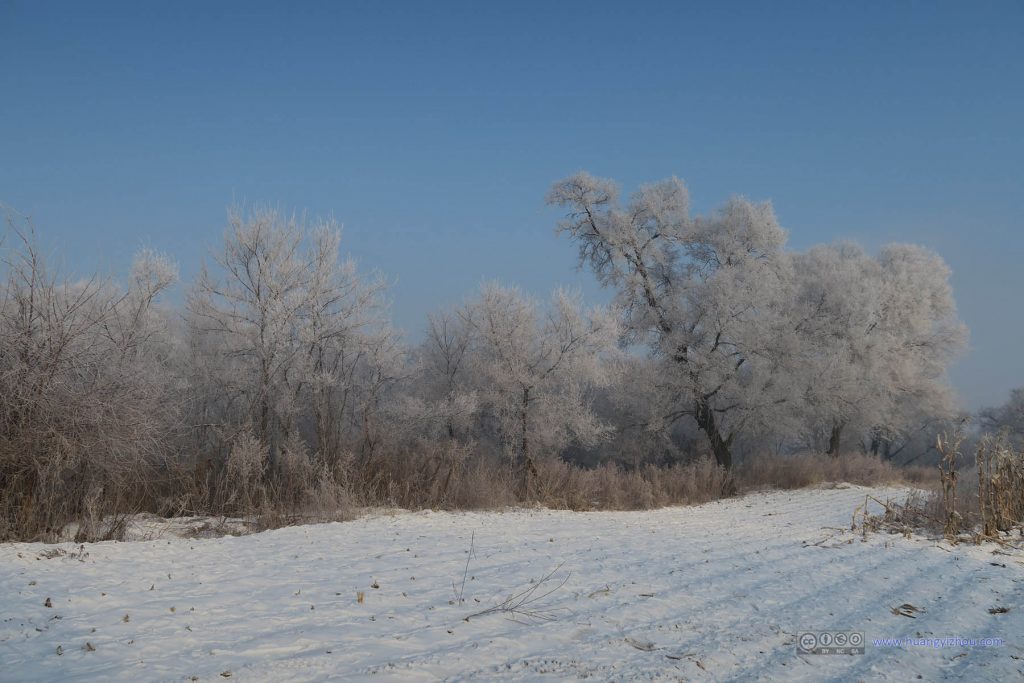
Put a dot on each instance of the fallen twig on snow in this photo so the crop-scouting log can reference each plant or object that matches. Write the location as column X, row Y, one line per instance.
column 524, row 603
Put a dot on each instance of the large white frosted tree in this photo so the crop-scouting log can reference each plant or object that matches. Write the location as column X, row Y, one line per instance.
column 875, row 338
column 706, row 293
column 920, row 336
column 835, row 306
column 754, row 339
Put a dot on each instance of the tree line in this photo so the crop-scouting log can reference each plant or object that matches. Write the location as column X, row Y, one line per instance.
column 282, row 374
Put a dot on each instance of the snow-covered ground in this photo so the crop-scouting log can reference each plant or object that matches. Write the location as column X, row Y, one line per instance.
column 717, row 592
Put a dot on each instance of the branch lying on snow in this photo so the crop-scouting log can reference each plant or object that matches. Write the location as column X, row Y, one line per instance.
column 523, row 605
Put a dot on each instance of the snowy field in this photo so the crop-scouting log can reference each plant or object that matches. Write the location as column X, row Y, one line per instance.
column 717, row 593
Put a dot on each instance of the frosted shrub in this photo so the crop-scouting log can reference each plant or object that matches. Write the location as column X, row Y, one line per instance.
column 295, row 474
column 245, row 467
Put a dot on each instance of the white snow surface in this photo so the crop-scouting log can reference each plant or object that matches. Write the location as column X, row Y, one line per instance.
column 717, row 592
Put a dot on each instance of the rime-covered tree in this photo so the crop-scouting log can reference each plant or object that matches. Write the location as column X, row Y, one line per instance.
column 1007, row 418
column 534, row 366
column 86, row 407
column 705, row 293
column 287, row 333
column 920, row 335
column 877, row 336
column 446, row 380
column 836, row 296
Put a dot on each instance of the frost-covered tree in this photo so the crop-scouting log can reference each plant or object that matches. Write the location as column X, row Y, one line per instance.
column 875, row 338
column 706, row 293
column 85, row 405
column 353, row 352
column 1007, row 418
column 633, row 406
column 920, row 336
column 252, row 309
column 836, row 297
column 534, row 366
column 286, row 334
column 445, row 373
column 381, row 367
column 754, row 340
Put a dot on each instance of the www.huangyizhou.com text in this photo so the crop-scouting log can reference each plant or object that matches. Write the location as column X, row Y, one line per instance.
column 938, row 643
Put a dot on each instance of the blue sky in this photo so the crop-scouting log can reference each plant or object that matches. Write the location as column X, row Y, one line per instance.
column 433, row 130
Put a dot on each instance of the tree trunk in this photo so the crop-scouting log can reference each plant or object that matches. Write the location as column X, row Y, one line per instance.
column 527, row 469
column 834, row 439
column 877, row 441
column 369, row 435
column 722, row 448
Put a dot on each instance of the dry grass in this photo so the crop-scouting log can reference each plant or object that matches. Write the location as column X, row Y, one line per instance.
column 427, row 480
column 800, row 471
column 448, row 477
column 983, row 502
column 1000, row 489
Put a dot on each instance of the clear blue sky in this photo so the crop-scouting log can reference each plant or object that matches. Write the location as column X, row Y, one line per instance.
column 432, row 131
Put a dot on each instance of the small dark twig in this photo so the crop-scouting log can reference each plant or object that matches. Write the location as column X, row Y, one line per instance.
column 461, row 590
